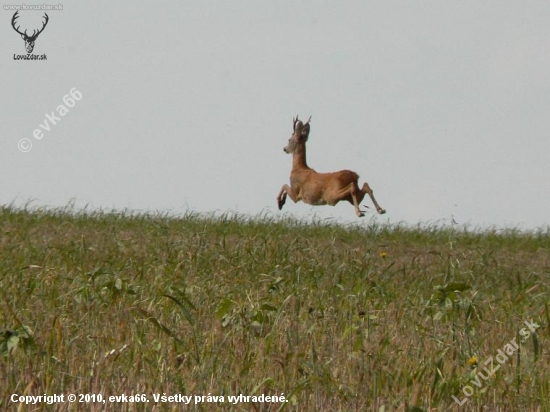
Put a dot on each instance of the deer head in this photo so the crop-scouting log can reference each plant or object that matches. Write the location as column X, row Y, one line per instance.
column 300, row 134
column 29, row 40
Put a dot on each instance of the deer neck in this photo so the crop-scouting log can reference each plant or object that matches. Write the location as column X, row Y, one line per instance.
column 299, row 158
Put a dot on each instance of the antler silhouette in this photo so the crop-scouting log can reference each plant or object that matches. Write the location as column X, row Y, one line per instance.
column 29, row 40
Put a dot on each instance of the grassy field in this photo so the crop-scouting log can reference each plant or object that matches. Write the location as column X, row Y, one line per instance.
column 332, row 318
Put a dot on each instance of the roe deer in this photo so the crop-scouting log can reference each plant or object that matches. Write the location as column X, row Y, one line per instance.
column 319, row 188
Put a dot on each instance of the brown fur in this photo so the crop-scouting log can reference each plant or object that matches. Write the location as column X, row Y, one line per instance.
column 320, row 188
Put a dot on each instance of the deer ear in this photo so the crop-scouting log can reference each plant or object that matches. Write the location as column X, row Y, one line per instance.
column 305, row 130
column 298, row 127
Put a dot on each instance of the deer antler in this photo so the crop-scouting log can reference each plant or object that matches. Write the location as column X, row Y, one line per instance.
column 15, row 16
column 34, row 33
column 43, row 26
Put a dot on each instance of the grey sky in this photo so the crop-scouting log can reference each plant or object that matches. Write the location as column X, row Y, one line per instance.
column 442, row 106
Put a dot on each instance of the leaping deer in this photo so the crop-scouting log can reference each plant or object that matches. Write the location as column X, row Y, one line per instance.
column 320, row 188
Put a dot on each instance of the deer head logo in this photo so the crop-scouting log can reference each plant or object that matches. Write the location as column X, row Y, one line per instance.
column 29, row 40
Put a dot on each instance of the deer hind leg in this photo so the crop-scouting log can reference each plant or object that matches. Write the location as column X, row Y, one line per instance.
column 366, row 189
column 355, row 194
column 352, row 194
column 281, row 198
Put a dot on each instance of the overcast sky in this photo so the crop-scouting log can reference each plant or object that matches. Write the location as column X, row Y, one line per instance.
column 442, row 106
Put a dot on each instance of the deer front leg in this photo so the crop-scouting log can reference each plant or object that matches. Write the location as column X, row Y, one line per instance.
column 281, row 199
column 366, row 189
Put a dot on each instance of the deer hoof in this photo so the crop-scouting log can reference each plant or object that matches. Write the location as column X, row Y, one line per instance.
column 381, row 211
column 280, row 203
column 360, row 213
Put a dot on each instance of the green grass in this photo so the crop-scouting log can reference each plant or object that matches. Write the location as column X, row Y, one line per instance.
column 356, row 318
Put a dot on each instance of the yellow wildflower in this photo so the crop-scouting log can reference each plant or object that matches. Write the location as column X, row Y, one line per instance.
column 472, row 362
